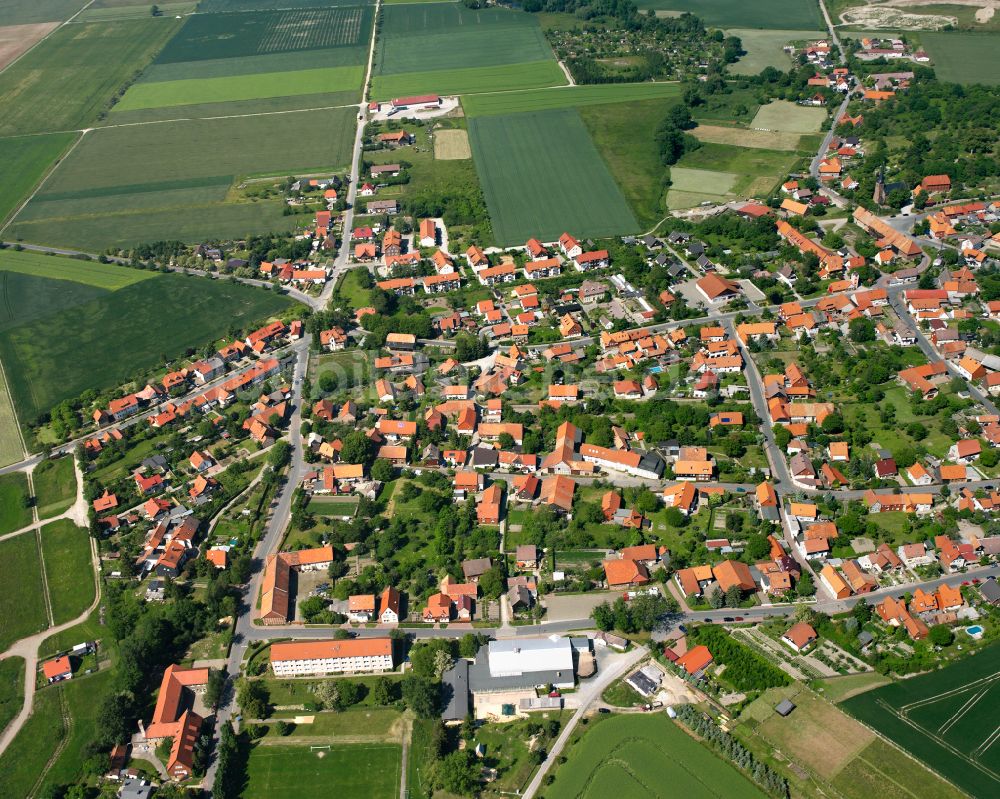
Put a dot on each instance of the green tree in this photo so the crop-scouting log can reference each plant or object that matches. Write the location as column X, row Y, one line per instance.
column 941, row 635
column 421, row 696
column 382, row 470
column 458, row 773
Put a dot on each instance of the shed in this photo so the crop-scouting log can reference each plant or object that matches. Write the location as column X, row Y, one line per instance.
column 784, row 707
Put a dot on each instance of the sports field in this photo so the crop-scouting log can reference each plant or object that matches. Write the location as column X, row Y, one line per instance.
column 45, row 324
column 946, row 719
column 68, row 571
column 460, row 51
column 789, row 117
column 566, row 97
column 964, row 57
column 241, row 87
column 764, row 48
column 22, row 612
column 368, row 770
column 641, row 757
column 95, row 198
column 55, row 486
column 542, row 175
column 68, row 79
column 740, row 14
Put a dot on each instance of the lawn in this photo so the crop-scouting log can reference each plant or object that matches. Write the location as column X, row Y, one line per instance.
column 963, row 57
column 68, row 79
column 721, row 172
column 370, row 721
column 542, row 175
column 453, row 37
column 764, row 48
column 24, row 160
column 14, row 514
column 22, row 612
column 193, row 91
column 68, row 571
column 41, row 353
column 894, row 436
column 55, row 486
column 738, row 14
column 211, row 36
column 127, row 185
column 11, row 689
column 945, row 719
column 369, row 770
column 789, row 117
column 469, row 80
column 567, row 97
column 644, row 756
column 837, row 689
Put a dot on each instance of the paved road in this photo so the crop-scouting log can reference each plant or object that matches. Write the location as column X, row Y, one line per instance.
column 269, row 543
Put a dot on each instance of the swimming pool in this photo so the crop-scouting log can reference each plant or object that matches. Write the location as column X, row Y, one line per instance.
column 975, row 631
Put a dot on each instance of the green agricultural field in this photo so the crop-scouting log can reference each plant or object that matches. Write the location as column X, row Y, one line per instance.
column 624, row 136
column 22, row 612
column 55, row 486
column 68, row 572
column 477, row 105
column 26, row 12
column 256, row 64
column 11, row 689
column 93, row 200
column 778, row 14
column 14, row 513
column 241, row 87
column 452, row 37
column 24, row 160
column 764, row 48
column 221, row 6
column 368, row 770
column 964, row 57
column 542, row 175
column 24, row 760
column 789, row 117
column 68, row 80
column 470, row 80
column 945, row 719
column 96, row 13
column 640, row 757
column 211, row 36
column 102, row 276
column 11, row 447
column 40, row 351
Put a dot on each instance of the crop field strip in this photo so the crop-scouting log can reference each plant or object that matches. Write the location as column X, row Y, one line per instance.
column 27, row 12
column 946, row 719
column 23, row 610
column 774, row 14
column 964, row 57
column 542, row 175
column 534, row 75
column 566, row 97
column 68, row 571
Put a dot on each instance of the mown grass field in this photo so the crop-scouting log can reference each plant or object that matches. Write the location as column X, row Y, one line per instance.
column 68, row 79
column 94, row 198
column 721, row 172
column 211, row 36
column 964, row 57
column 11, row 689
column 542, row 175
column 369, row 770
column 55, row 486
column 640, row 757
column 68, row 573
column 11, row 449
column 241, row 87
column 764, row 48
column 40, row 348
column 14, row 514
column 946, row 719
column 452, row 36
column 24, row 160
column 739, row 14
column 783, row 115
column 22, row 611
column 469, row 80
column 566, row 97
column 741, row 137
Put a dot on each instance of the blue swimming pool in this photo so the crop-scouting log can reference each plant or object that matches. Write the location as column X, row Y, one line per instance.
column 975, row 630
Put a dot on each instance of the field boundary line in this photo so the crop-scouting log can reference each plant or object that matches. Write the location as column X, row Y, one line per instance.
column 959, row 714
column 43, row 180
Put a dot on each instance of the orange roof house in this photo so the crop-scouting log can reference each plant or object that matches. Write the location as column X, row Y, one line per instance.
column 734, row 574
column 695, row 660
column 714, row 287
column 622, row 572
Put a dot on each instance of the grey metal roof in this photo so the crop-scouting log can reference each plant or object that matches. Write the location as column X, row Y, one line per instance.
column 455, row 692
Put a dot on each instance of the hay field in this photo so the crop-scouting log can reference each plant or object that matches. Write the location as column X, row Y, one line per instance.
column 753, row 139
column 789, row 117
column 452, row 145
column 764, row 48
